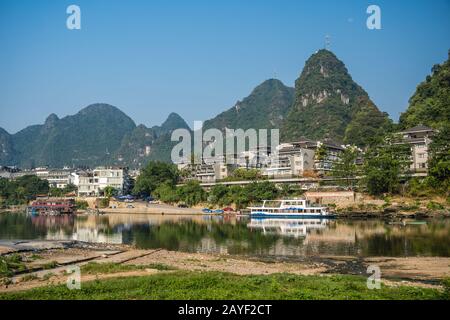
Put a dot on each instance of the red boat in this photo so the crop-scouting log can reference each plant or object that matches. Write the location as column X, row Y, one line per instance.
column 52, row 207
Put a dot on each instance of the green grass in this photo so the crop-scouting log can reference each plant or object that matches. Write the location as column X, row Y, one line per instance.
column 28, row 277
column 97, row 268
column 50, row 265
column 216, row 285
column 11, row 264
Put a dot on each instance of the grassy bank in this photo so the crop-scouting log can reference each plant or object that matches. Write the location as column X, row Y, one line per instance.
column 216, row 285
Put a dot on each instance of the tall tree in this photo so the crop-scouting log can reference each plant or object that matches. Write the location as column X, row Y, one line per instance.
column 385, row 165
column 439, row 163
column 345, row 167
column 155, row 174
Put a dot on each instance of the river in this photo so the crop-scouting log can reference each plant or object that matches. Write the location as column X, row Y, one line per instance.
column 241, row 235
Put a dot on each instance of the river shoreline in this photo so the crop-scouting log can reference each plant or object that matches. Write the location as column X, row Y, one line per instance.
column 385, row 213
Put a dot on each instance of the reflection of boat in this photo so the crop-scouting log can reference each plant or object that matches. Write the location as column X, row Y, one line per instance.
column 210, row 211
column 287, row 227
column 289, row 208
column 407, row 222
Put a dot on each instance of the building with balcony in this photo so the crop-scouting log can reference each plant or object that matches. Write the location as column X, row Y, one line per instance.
column 419, row 138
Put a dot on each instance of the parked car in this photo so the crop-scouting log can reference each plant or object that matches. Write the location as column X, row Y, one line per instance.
column 129, row 200
column 218, row 211
column 228, row 209
column 154, row 202
column 183, row 205
column 130, row 206
column 206, row 210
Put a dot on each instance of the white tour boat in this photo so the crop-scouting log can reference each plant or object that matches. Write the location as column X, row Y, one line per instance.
column 289, row 208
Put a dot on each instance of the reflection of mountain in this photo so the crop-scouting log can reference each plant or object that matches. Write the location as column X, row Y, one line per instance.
column 288, row 227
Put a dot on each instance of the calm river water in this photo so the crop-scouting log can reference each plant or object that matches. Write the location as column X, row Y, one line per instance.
column 242, row 236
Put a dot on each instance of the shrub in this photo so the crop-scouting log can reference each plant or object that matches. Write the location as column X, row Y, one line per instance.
column 82, row 204
column 434, row 206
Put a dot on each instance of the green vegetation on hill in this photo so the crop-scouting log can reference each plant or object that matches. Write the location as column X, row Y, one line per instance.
column 6, row 148
column 330, row 105
column 430, row 104
column 99, row 134
column 265, row 108
column 86, row 138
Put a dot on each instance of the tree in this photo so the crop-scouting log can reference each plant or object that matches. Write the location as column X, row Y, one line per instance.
column 19, row 191
column 155, row 174
column 57, row 192
column 191, row 193
column 220, row 195
column 166, row 193
column 345, row 167
column 385, row 165
column 257, row 192
column 321, row 153
column 439, row 161
column 246, row 174
column 109, row 191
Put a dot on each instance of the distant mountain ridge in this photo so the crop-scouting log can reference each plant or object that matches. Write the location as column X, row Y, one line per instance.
column 97, row 134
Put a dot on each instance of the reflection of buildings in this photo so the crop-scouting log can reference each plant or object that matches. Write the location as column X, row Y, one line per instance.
column 208, row 245
column 85, row 235
column 95, row 235
column 288, row 227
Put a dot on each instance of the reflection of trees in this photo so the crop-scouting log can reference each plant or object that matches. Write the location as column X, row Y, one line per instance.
column 19, row 226
column 181, row 235
column 241, row 240
column 406, row 245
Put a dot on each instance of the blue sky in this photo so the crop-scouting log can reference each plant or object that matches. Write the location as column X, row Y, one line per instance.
column 197, row 58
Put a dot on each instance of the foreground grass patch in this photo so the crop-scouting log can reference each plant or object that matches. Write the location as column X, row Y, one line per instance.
column 216, row 285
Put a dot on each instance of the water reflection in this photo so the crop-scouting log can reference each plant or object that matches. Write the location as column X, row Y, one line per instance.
column 266, row 237
column 288, row 227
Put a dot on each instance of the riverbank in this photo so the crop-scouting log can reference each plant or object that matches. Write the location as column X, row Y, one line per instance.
column 43, row 264
column 393, row 207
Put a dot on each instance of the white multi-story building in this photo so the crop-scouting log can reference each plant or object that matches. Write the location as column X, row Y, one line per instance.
column 289, row 160
column 419, row 138
column 93, row 183
column 57, row 178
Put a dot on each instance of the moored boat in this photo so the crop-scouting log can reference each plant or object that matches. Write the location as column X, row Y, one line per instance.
column 52, row 207
column 289, row 208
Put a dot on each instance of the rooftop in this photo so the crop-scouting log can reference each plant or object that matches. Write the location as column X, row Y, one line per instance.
column 419, row 128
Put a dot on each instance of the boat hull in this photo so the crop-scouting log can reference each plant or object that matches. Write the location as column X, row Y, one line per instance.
column 291, row 215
